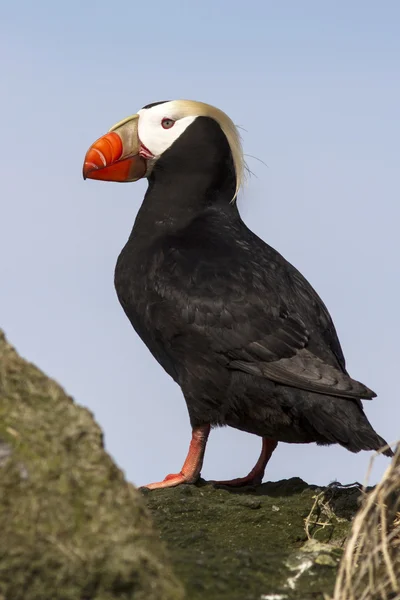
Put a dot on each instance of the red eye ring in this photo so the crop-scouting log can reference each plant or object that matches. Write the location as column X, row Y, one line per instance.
column 167, row 123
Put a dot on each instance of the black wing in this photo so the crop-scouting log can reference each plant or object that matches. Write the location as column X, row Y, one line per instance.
column 223, row 288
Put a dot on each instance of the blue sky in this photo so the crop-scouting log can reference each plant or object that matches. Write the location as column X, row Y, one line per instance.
column 316, row 87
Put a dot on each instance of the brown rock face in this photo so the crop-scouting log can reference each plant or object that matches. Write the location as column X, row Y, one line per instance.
column 71, row 527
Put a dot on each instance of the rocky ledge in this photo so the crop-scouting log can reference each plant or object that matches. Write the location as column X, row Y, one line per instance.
column 276, row 541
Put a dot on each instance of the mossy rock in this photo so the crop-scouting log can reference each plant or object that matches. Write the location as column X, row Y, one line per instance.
column 71, row 527
column 252, row 544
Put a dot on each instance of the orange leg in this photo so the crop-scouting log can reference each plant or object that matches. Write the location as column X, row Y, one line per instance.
column 190, row 471
column 256, row 475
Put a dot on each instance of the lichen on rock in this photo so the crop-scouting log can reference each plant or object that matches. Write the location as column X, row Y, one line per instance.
column 252, row 543
column 71, row 527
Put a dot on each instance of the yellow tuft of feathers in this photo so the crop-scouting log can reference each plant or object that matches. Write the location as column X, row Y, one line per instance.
column 191, row 108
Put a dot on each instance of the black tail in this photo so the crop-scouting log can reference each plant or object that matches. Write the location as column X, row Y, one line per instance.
column 342, row 421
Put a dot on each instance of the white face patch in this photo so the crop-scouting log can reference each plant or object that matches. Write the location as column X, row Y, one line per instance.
column 156, row 137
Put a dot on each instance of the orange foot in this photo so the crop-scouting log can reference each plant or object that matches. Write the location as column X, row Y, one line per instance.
column 171, row 481
column 192, row 466
column 256, row 475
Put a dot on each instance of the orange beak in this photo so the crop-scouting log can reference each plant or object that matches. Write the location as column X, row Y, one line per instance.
column 115, row 156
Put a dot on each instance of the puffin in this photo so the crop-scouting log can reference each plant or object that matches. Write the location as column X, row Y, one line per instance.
column 237, row 327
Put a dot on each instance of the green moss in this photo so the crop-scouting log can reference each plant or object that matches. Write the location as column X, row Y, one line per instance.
column 241, row 545
column 71, row 527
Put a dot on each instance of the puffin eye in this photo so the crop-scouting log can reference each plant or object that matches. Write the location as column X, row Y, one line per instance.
column 167, row 123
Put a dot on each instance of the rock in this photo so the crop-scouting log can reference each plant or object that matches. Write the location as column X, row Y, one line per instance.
column 252, row 543
column 71, row 527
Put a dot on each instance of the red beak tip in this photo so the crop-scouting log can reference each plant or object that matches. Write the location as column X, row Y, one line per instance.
column 88, row 168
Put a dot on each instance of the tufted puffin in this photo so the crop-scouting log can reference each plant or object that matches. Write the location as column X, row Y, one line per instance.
column 237, row 327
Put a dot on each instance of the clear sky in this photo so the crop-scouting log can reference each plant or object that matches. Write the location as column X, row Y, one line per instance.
column 316, row 87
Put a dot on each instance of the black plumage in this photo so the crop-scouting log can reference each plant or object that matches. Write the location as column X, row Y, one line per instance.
column 241, row 331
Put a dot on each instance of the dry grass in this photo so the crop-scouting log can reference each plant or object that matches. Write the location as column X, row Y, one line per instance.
column 370, row 567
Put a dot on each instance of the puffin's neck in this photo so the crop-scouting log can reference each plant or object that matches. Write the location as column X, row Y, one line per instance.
column 170, row 206
column 197, row 172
